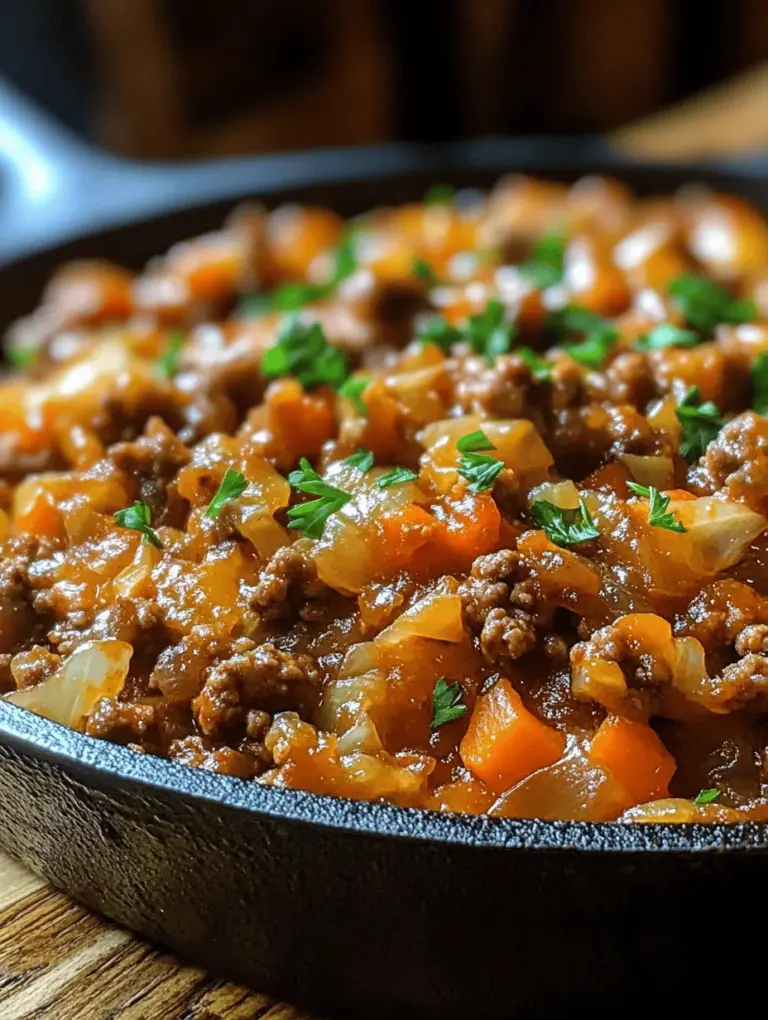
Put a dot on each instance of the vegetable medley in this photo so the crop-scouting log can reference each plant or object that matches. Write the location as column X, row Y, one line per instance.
column 460, row 505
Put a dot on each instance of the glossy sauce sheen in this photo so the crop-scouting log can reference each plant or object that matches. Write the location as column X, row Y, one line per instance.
column 434, row 642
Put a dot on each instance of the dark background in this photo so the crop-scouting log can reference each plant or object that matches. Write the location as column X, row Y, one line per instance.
column 171, row 78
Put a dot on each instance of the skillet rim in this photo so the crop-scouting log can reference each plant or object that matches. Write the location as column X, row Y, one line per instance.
column 103, row 764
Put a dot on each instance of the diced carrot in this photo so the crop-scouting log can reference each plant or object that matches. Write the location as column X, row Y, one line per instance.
column 504, row 742
column 611, row 477
column 401, row 535
column 470, row 525
column 300, row 422
column 380, row 434
column 41, row 517
column 563, row 575
column 635, row 756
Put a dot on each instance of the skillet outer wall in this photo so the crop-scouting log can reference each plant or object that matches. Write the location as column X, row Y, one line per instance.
column 312, row 906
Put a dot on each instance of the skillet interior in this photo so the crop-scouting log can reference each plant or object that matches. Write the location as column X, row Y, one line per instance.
column 308, row 896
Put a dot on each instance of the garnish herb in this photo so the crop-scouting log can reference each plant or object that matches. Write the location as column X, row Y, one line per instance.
column 440, row 333
column 396, row 476
column 301, row 350
column 565, row 526
column 290, row 297
column 545, row 265
column 489, row 333
column 233, row 485
column 758, row 373
column 352, row 389
column 658, row 516
column 705, row 303
column 480, row 470
column 599, row 334
column 700, row 422
column 446, row 703
column 539, row 367
column 310, row 517
column 422, row 270
column 667, row 335
column 168, row 362
column 22, row 357
column 439, row 194
column 705, row 797
column 137, row 517
column 360, row 459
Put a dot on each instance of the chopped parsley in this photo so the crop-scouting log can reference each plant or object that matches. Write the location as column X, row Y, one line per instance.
column 396, row 476
column 440, row 194
column 480, row 470
column 301, row 350
column 599, row 335
column 705, row 797
column 290, row 297
column 539, row 367
column 489, row 332
column 168, row 362
column 422, row 270
column 700, row 423
column 137, row 517
column 440, row 333
column 310, row 517
column 705, row 303
column 544, row 268
column 360, row 459
column 758, row 373
column 233, row 485
column 564, row 526
column 667, row 335
column 22, row 357
column 446, row 703
column 658, row 516
column 353, row 389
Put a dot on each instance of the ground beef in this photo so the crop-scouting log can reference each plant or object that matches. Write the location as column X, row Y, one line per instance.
column 152, row 462
column 506, row 637
column 121, row 723
column 227, row 761
column 289, row 586
column 263, row 675
column 737, row 461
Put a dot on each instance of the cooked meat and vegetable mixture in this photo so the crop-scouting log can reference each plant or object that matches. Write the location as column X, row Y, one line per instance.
column 460, row 505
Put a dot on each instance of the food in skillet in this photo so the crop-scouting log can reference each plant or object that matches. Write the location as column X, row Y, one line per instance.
column 460, row 505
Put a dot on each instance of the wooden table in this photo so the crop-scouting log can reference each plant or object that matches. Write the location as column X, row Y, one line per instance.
column 59, row 962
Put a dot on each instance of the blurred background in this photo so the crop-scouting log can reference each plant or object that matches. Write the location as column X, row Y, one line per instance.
column 179, row 78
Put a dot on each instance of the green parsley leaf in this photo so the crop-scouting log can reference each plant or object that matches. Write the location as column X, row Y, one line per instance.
column 480, row 470
column 353, row 389
column 667, row 335
column 446, row 703
column 422, row 270
column 233, row 485
column 439, row 194
column 705, row 303
column 545, row 265
column 290, row 297
column 137, row 518
column 562, row 526
column 21, row 357
column 658, row 517
column 396, row 476
column 758, row 373
column 489, row 333
column 301, row 350
column 599, row 334
column 345, row 259
column 255, row 306
column 700, row 422
column 705, row 797
column 539, row 367
column 360, row 459
column 440, row 333
column 310, row 517
column 168, row 362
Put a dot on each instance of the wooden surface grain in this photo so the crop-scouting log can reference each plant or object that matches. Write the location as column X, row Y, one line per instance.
column 58, row 962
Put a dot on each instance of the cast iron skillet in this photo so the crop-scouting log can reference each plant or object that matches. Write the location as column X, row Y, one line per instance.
column 349, row 908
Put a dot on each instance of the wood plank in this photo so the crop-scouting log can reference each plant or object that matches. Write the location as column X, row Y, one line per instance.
column 58, row 961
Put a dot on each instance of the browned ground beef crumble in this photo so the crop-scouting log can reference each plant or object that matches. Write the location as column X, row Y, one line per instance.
column 557, row 605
